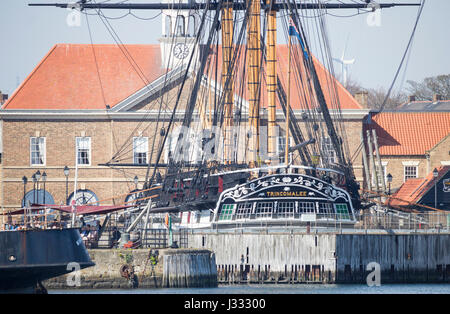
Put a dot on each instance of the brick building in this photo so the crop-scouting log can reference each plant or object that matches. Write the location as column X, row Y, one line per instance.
column 411, row 143
column 432, row 191
column 84, row 104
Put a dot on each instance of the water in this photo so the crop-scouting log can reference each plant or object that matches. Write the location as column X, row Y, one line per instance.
column 281, row 289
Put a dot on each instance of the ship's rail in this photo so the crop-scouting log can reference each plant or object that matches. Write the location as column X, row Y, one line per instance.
column 156, row 235
column 32, row 219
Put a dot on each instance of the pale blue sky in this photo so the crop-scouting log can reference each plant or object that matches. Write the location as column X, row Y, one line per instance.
column 27, row 34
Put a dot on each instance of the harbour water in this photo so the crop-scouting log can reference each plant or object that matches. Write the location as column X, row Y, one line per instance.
column 281, row 289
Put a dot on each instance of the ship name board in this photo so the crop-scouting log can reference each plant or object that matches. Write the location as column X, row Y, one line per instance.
column 286, row 193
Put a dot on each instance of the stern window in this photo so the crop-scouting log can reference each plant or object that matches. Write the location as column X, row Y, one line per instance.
column 264, row 209
column 244, row 210
column 342, row 211
column 227, row 212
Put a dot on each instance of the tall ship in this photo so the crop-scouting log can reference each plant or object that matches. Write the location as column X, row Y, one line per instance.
column 222, row 157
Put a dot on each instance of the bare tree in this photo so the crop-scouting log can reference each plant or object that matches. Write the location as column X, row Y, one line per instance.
column 425, row 90
column 377, row 96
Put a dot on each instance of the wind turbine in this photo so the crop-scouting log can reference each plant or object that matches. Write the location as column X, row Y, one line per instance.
column 344, row 63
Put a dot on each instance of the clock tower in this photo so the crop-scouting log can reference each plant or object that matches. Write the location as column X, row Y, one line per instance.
column 179, row 28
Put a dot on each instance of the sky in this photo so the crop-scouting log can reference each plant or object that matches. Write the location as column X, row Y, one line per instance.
column 376, row 42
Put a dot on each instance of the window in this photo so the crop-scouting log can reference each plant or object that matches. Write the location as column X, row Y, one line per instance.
column 326, row 209
column 342, row 211
column 244, row 210
column 83, row 150
column 227, row 212
column 37, row 151
column 264, row 209
column 306, row 207
column 410, row 172
column 281, row 148
column 328, row 152
column 179, row 26
column 168, row 26
column 140, row 148
column 191, row 26
column 286, row 209
column 83, row 197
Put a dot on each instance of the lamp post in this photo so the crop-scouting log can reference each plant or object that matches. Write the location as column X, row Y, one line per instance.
column 136, row 180
column 435, row 174
column 24, row 180
column 66, row 173
column 44, row 178
column 33, row 177
column 38, row 177
column 389, row 179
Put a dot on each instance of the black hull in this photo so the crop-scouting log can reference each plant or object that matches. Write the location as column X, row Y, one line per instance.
column 28, row 257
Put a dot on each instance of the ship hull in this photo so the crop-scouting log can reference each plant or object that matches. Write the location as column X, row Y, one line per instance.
column 31, row 256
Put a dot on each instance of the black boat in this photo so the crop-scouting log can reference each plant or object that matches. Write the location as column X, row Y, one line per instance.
column 29, row 257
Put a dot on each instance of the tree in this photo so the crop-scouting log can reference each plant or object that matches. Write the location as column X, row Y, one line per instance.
column 376, row 96
column 430, row 86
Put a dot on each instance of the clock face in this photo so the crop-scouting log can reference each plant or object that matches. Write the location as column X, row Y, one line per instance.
column 181, row 51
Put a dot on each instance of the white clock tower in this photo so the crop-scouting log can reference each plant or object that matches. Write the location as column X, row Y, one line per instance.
column 179, row 29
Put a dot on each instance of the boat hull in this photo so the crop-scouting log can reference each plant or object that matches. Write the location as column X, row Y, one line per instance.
column 31, row 256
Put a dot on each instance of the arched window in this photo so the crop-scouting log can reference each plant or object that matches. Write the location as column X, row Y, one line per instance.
column 83, row 197
column 38, row 197
column 179, row 26
column 168, row 26
column 132, row 196
column 191, row 26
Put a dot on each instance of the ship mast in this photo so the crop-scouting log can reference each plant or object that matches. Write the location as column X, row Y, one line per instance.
column 271, row 80
column 253, row 80
column 227, row 79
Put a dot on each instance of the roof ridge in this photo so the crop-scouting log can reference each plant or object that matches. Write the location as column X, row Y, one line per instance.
column 112, row 45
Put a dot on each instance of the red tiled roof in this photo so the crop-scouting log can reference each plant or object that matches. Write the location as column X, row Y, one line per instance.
column 299, row 100
column 67, row 77
column 414, row 189
column 409, row 133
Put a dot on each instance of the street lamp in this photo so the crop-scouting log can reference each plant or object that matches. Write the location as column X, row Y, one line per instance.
column 389, row 179
column 435, row 174
column 38, row 177
column 44, row 178
column 24, row 180
column 33, row 177
column 66, row 173
column 136, row 180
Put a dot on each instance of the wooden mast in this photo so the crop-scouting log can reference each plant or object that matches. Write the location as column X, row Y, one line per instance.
column 227, row 79
column 271, row 82
column 288, row 105
column 253, row 80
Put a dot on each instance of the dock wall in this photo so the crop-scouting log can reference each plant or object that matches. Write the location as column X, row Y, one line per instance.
column 418, row 258
column 327, row 258
column 135, row 268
